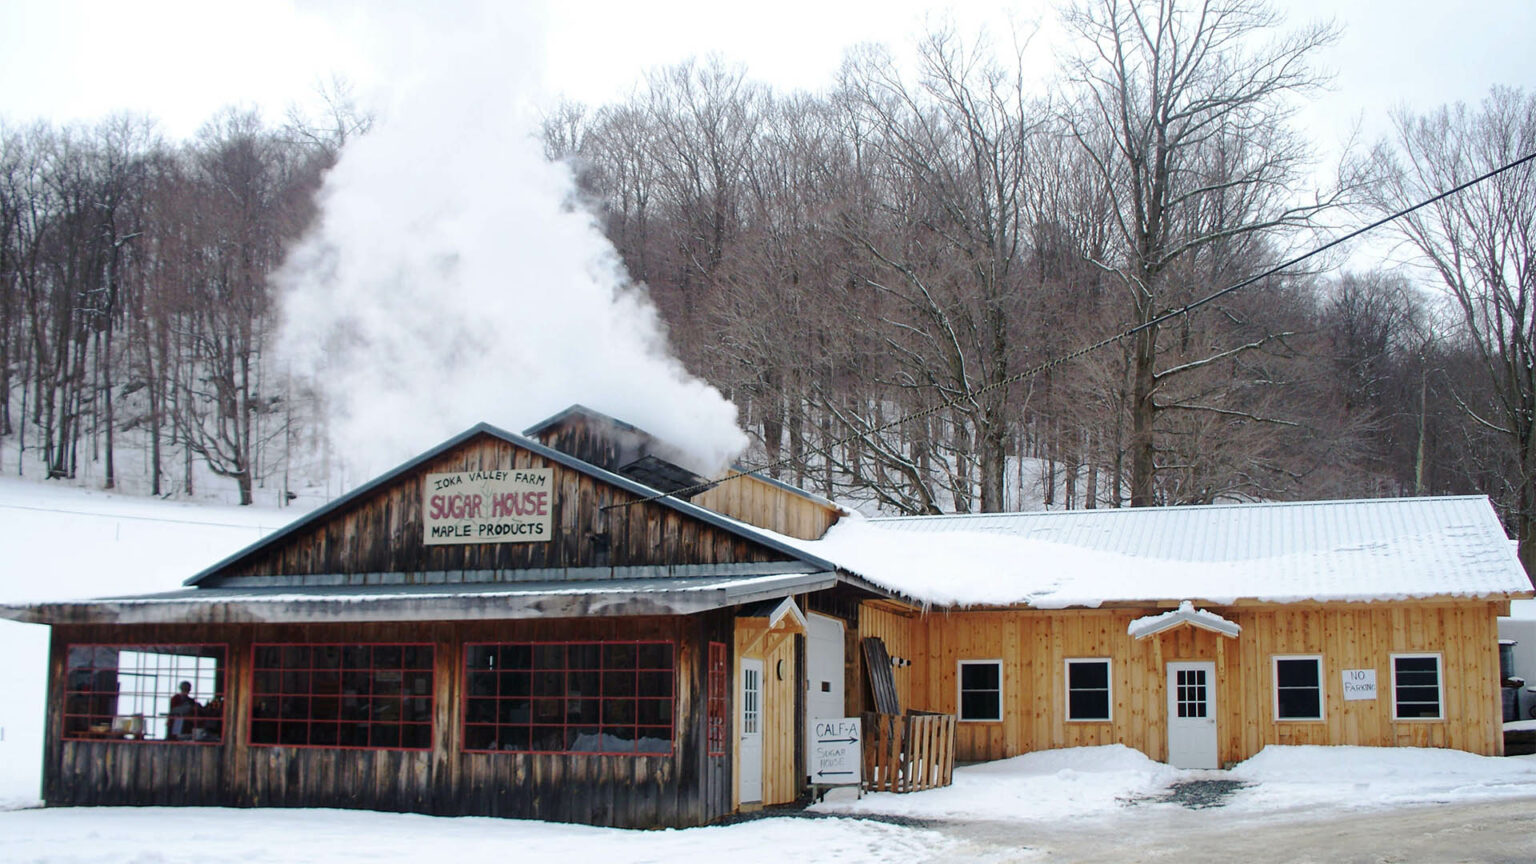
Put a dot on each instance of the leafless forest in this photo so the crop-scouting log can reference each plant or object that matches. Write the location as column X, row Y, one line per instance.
column 902, row 244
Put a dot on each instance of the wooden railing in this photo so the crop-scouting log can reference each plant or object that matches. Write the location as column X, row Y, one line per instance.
column 908, row 752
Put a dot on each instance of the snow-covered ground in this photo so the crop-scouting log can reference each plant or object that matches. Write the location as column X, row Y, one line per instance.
column 214, row 836
column 1090, row 787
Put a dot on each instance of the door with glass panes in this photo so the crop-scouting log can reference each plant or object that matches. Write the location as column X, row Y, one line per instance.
column 1192, row 715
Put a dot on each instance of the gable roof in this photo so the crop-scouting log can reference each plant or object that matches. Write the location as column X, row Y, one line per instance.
column 578, row 410
column 740, row 529
column 1377, row 549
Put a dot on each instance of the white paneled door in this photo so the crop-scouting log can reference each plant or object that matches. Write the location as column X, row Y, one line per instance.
column 1192, row 715
column 749, row 783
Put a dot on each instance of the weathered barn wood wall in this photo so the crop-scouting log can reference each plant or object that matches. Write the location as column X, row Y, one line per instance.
column 603, row 441
column 1032, row 646
column 758, row 502
column 383, row 533
column 688, row 787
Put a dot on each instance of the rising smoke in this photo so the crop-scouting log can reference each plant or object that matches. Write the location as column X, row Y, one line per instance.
column 449, row 281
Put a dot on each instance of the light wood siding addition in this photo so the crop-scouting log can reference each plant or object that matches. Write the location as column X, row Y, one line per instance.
column 1034, row 645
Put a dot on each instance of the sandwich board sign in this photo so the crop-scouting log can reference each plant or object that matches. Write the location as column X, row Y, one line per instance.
column 836, row 751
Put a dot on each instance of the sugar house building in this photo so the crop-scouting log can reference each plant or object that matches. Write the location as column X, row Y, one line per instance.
column 526, row 626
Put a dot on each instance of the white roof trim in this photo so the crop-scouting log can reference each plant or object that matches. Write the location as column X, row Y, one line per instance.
column 1151, row 625
column 787, row 608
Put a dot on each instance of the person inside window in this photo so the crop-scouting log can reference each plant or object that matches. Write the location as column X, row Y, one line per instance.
column 183, row 706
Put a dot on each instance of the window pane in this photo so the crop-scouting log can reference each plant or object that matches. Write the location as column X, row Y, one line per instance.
column 387, row 657
column 618, row 656
column 416, row 657
column 585, row 656
column 655, row 712
column 1299, row 704
column 618, row 684
column 980, row 676
column 1092, row 675
column 1418, row 687
column 480, row 738
column 980, row 705
column 655, row 655
column 583, row 683
column 517, row 657
column 327, row 657
column 1296, row 673
column 618, row 711
column 1088, row 690
column 549, row 657
column 1088, row 704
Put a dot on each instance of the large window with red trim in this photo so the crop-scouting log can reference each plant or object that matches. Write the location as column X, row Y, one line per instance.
column 716, row 707
column 374, row 695
column 570, row 697
column 144, row 693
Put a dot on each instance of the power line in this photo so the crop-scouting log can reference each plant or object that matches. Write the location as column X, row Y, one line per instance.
column 162, row 519
column 1108, row 341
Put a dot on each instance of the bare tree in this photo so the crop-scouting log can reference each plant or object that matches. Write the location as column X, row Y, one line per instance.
column 1481, row 247
column 335, row 118
column 1181, row 108
column 947, row 235
column 247, row 196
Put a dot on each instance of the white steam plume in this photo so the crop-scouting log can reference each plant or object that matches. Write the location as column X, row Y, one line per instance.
column 447, row 281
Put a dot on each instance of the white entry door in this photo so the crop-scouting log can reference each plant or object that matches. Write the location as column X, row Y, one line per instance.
column 1192, row 715
column 749, row 784
column 824, row 675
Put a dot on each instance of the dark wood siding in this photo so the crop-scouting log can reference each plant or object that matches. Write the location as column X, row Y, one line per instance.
column 686, row 788
column 383, row 533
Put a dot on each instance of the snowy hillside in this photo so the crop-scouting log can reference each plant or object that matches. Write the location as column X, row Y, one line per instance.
column 58, row 543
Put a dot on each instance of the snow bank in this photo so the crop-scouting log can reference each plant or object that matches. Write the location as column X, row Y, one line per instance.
column 1369, row 777
column 1051, row 785
column 1093, row 782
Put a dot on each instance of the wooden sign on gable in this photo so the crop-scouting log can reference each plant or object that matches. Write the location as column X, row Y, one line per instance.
column 498, row 506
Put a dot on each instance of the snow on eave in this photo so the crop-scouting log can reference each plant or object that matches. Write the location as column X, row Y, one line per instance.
column 1151, row 625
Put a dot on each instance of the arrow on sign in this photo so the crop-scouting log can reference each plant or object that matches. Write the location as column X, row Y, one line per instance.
column 835, row 740
column 831, row 773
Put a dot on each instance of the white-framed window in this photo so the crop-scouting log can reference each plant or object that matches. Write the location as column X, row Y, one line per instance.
column 1418, row 688
column 1089, row 691
column 981, row 690
column 1298, row 686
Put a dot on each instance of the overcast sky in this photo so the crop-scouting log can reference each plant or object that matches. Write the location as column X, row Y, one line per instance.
column 180, row 60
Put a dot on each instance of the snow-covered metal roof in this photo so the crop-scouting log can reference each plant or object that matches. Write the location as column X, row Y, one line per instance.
column 1376, row 549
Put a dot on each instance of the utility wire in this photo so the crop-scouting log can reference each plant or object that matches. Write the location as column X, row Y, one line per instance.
column 1105, row 342
column 161, row 519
